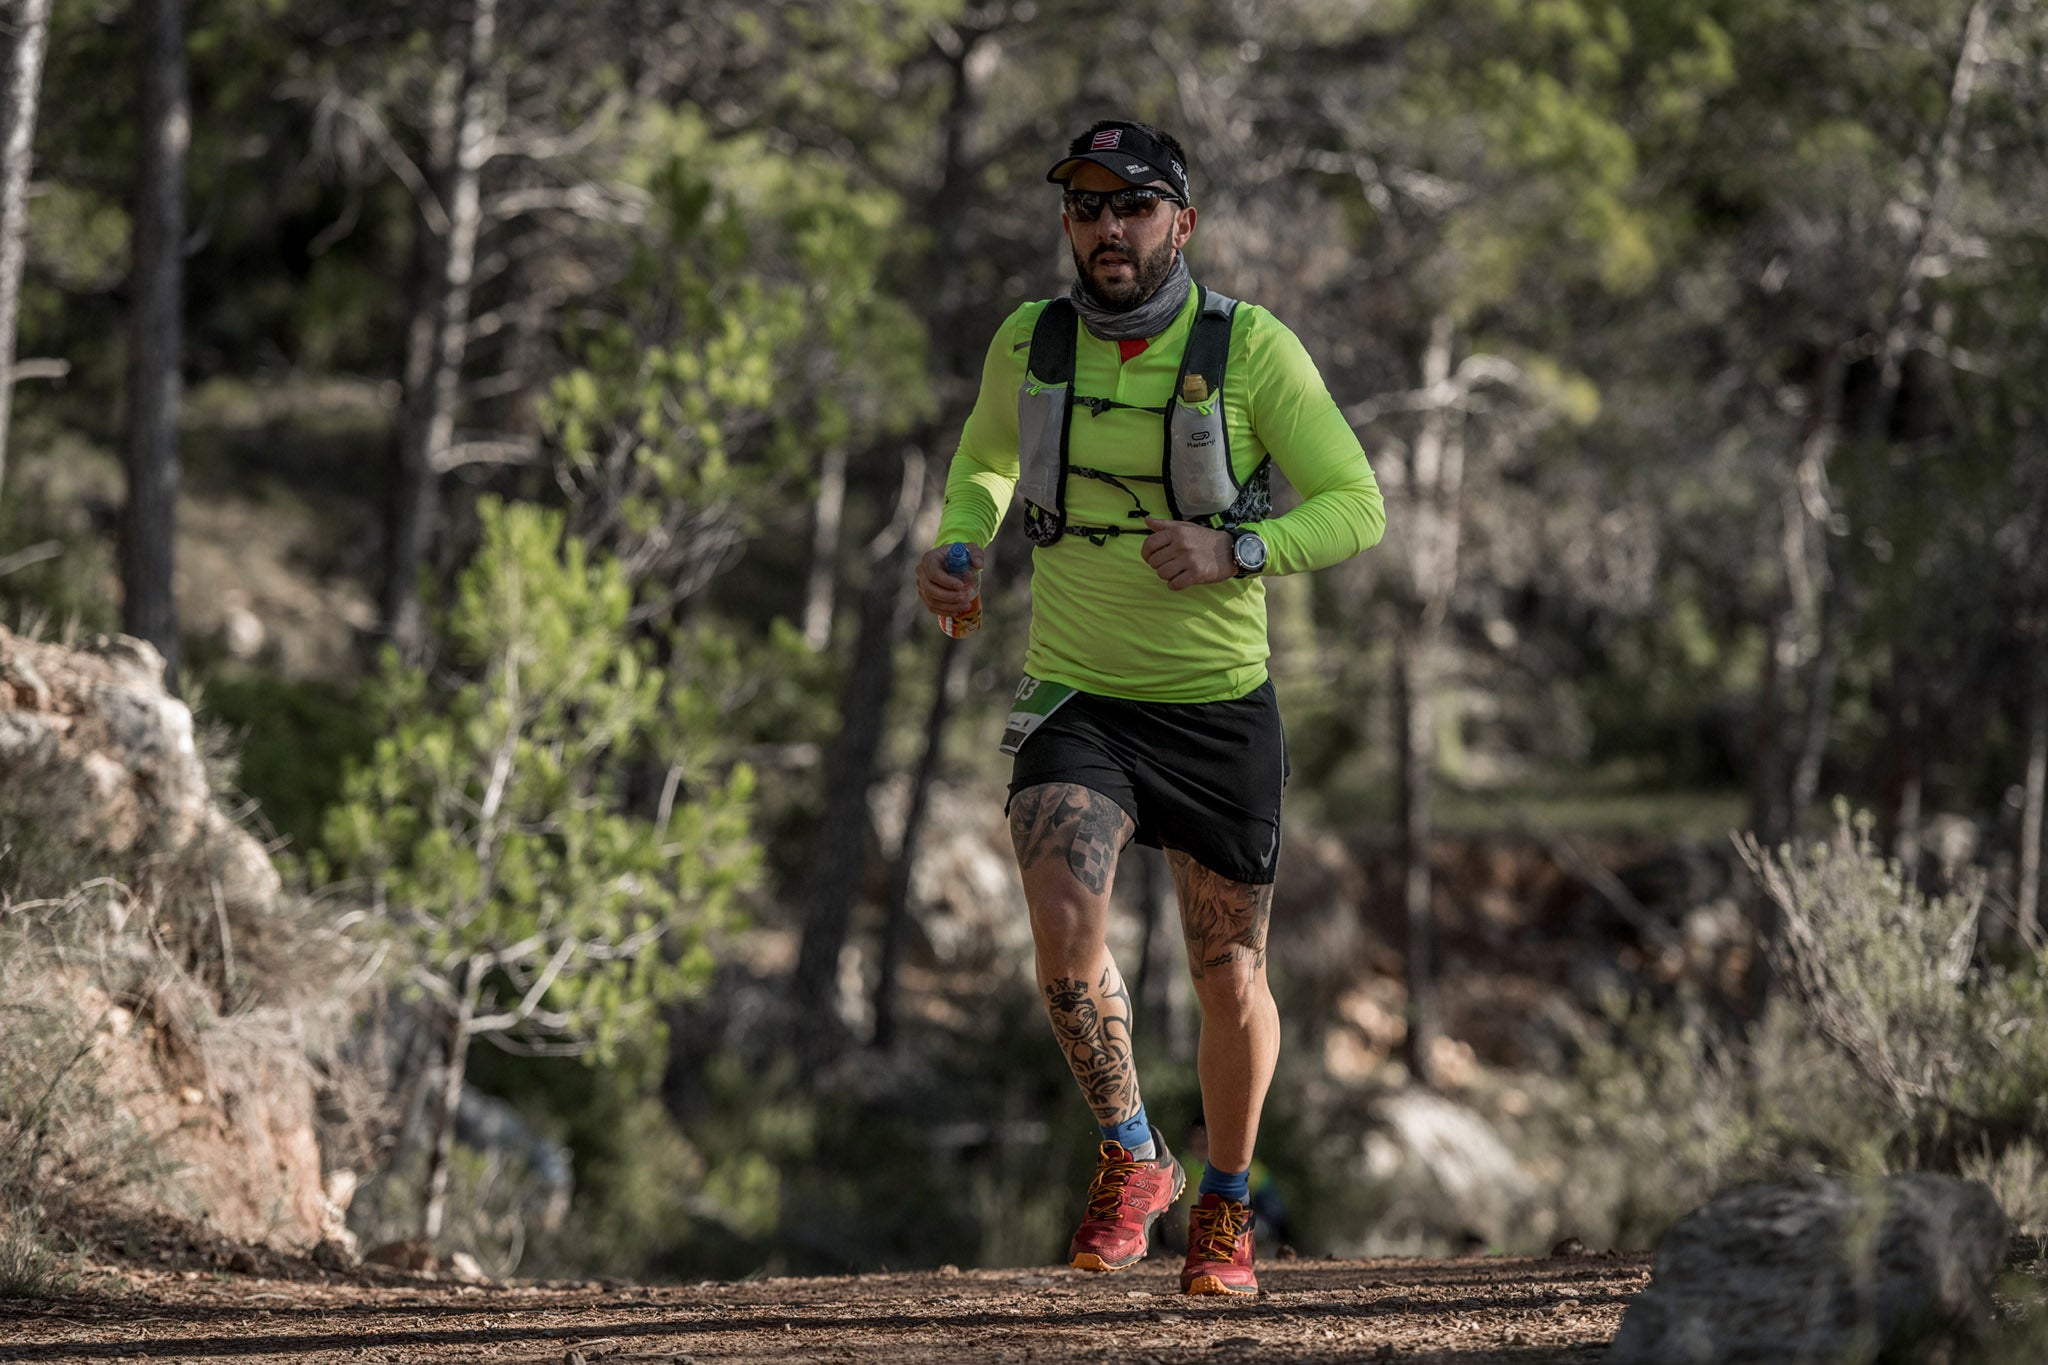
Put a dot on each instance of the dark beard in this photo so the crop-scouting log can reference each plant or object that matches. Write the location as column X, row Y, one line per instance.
column 1150, row 272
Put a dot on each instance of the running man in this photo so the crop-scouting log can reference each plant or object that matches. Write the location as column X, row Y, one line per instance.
column 1138, row 416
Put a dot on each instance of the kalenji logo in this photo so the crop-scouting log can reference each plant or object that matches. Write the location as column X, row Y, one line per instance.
column 1106, row 140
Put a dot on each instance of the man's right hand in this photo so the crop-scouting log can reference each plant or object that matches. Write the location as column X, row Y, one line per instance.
column 943, row 593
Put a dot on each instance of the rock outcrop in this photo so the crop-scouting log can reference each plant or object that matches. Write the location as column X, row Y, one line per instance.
column 1821, row 1270
column 103, row 786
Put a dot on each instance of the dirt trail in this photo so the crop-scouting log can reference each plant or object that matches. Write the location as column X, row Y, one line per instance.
column 1458, row 1312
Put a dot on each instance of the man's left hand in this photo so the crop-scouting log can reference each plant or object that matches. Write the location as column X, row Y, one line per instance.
column 1184, row 553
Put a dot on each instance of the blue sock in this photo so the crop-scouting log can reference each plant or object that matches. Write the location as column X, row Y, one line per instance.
column 1134, row 1135
column 1233, row 1185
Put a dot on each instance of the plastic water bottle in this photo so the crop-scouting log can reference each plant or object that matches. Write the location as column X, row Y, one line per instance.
column 969, row 621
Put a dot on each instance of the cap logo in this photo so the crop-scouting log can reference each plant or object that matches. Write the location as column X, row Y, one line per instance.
column 1132, row 169
column 1106, row 140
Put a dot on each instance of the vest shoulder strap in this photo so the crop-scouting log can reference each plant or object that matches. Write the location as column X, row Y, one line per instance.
column 1208, row 352
column 1053, row 339
column 1045, row 409
column 1200, row 482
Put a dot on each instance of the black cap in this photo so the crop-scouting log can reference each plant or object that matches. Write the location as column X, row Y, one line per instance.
column 1130, row 152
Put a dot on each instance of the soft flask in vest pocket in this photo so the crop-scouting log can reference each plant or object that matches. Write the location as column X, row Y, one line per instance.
column 1199, row 482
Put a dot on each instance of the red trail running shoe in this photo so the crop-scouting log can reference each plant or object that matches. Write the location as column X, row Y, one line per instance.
column 1124, row 1200
column 1219, row 1248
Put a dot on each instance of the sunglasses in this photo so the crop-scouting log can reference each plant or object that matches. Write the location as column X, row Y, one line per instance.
column 1085, row 206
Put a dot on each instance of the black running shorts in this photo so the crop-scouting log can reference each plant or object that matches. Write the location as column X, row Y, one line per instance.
column 1201, row 777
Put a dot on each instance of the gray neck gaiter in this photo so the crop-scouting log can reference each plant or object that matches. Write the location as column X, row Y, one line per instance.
column 1147, row 319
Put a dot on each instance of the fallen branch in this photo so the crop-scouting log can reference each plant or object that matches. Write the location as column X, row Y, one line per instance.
column 34, row 554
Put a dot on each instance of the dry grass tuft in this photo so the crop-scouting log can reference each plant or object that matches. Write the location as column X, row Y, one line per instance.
column 28, row 1268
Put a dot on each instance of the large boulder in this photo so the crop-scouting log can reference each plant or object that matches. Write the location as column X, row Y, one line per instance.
column 1420, row 1174
column 1821, row 1270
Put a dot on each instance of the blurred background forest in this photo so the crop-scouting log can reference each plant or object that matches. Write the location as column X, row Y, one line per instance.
column 515, row 424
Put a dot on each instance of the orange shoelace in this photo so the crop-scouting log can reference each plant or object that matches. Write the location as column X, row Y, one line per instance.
column 1106, row 1191
column 1216, row 1230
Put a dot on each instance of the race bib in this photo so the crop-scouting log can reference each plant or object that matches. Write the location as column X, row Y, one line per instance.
column 1036, row 699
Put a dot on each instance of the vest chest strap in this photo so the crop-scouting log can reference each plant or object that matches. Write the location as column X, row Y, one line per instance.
column 1195, row 466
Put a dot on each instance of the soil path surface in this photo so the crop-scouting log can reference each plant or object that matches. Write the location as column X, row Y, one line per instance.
column 1457, row 1312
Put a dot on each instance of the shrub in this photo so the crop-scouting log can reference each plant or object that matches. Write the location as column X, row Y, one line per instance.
column 1891, row 978
column 492, row 824
column 1890, row 1045
column 1686, row 1105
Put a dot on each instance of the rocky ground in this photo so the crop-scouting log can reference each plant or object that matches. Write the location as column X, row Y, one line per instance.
column 1468, row 1312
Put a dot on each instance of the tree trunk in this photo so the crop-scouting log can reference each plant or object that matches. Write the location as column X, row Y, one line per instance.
column 821, row 584
column 1904, row 781
column 1820, row 703
column 839, row 848
column 430, row 427
column 454, row 1066
column 1767, row 748
column 1972, row 51
column 24, row 87
column 415, row 366
column 2027, row 894
column 1415, row 748
column 947, row 689
column 156, row 335
column 1434, row 484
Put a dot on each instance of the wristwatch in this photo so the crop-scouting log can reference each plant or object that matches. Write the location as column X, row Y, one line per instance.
column 1248, row 552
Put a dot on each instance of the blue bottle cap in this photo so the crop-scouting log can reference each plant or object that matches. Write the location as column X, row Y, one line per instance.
column 957, row 559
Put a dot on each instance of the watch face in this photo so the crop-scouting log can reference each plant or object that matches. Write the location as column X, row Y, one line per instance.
column 1250, row 552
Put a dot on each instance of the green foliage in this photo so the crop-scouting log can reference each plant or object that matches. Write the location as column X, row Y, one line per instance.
column 496, row 1206
column 80, row 237
column 636, row 1185
column 683, row 419
column 759, row 1128
column 294, row 743
column 492, row 821
column 65, row 595
column 1542, row 112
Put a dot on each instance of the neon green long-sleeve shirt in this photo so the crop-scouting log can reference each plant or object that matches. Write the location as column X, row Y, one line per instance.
column 1101, row 619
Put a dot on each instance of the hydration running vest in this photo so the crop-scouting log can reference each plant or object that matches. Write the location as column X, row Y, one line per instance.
column 1195, row 467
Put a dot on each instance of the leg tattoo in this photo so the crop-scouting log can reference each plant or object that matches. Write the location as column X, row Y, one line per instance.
column 1068, row 838
column 1225, row 924
column 1094, row 1030
column 1224, row 920
column 1061, row 821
